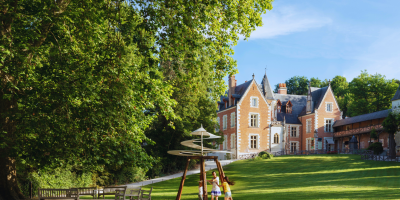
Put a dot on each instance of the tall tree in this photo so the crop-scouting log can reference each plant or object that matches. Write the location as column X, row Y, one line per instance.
column 315, row 82
column 340, row 88
column 370, row 93
column 391, row 124
column 82, row 80
column 297, row 85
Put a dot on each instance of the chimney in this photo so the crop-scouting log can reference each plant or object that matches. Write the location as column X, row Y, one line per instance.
column 231, row 86
column 282, row 88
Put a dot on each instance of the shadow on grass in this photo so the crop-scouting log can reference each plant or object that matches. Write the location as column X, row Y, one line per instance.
column 300, row 177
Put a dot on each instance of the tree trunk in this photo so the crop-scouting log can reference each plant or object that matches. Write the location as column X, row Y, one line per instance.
column 392, row 146
column 9, row 189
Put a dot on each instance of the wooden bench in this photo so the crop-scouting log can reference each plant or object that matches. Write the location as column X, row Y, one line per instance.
column 133, row 193
column 58, row 194
column 86, row 191
column 111, row 190
column 146, row 194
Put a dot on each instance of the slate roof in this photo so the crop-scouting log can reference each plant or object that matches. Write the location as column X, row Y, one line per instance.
column 317, row 95
column 239, row 91
column 397, row 95
column 298, row 102
column 266, row 88
column 361, row 118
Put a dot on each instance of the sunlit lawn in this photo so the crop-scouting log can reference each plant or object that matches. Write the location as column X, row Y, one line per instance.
column 300, row 177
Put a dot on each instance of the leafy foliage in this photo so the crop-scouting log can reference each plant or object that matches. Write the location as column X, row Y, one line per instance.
column 376, row 147
column 265, row 155
column 82, row 80
column 370, row 93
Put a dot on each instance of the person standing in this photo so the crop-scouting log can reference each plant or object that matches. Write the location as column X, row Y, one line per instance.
column 215, row 191
column 227, row 189
column 200, row 190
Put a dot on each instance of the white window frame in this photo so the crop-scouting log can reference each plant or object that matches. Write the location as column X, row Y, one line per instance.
column 233, row 119
column 325, row 125
column 297, row 145
column 297, row 131
column 331, row 107
column 219, row 124
column 308, row 126
column 225, row 122
column 276, row 134
column 257, row 141
column 232, row 141
column 257, row 120
column 251, row 102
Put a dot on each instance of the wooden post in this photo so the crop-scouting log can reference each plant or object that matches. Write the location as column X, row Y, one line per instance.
column 178, row 197
column 203, row 174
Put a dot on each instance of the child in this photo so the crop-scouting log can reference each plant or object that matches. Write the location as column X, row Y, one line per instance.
column 227, row 189
column 200, row 190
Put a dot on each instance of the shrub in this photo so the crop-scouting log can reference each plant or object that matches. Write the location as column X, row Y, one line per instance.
column 376, row 147
column 265, row 155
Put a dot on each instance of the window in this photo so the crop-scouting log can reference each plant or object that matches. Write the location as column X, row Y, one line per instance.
column 328, row 107
column 293, row 147
column 233, row 119
column 224, row 143
column 328, row 125
column 224, row 122
column 288, row 109
column 232, row 141
column 253, row 120
column 253, row 141
column 276, row 138
column 254, row 102
column 308, row 126
column 218, row 125
column 294, row 131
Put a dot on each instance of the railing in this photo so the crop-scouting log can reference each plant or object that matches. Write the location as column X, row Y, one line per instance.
column 276, row 123
column 357, row 131
column 312, row 152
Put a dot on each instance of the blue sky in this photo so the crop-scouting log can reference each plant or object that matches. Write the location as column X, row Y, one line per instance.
column 323, row 38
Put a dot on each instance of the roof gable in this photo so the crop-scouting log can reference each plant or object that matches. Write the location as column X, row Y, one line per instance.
column 397, row 95
column 329, row 90
column 247, row 90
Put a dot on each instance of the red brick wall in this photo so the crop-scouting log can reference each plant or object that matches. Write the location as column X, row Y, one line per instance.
column 304, row 134
column 244, row 128
column 322, row 114
column 229, row 130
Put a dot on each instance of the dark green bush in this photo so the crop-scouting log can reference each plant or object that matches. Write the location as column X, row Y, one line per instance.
column 265, row 155
column 376, row 147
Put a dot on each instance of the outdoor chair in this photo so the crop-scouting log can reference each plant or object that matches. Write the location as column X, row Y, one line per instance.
column 146, row 194
column 111, row 190
column 133, row 193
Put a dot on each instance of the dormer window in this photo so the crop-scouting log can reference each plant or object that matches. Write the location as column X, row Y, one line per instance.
column 279, row 106
column 289, row 106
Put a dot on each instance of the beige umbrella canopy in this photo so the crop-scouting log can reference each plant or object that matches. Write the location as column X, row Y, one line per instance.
column 191, row 143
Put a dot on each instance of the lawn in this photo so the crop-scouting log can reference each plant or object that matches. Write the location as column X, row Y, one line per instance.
column 300, row 177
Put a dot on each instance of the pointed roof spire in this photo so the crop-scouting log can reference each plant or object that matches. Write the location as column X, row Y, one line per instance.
column 267, row 89
column 329, row 82
column 253, row 76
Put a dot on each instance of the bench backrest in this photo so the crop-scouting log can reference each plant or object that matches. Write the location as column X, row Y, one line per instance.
column 146, row 194
column 86, row 190
column 57, row 192
column 112, row 189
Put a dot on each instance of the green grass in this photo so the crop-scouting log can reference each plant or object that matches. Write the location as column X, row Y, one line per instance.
column 299, row 177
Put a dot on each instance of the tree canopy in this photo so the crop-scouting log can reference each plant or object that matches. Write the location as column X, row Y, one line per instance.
column 81, row 81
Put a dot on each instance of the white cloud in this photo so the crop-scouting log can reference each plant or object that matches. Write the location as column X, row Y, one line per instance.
column 286, row 20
